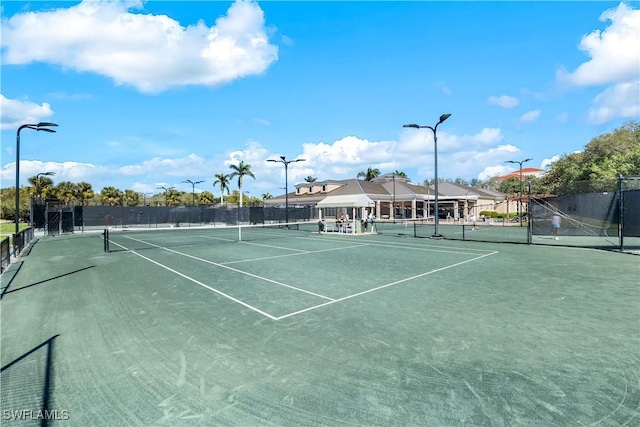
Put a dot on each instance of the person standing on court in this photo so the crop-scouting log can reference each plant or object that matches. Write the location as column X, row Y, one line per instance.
column 555, row 224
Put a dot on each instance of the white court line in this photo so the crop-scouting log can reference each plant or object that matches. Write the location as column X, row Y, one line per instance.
column 444, row 249
column 383, row 286
column 274, row 247
column 257, row 310
column 288, row 255
column 233, row 269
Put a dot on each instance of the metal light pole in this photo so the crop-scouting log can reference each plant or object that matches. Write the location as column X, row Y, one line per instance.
column 44, row 127
column 436, row 234
column 166, row 190
column 193, row 190
column 286, row 162
column 519, row 163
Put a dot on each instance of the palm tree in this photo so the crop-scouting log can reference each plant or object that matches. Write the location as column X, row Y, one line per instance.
column 41, row 184
column 400, row 174
column 111, row 196
column 223, row 180
column 84, row 191
column 65, row 190
column 130, row 198
column 311, row 179
column 267, row 196
column 370, row 174
column 240, row 170
column 174, row 197
column 205, row 198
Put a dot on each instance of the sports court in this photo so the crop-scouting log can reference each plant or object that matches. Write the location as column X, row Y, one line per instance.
column 291, row 327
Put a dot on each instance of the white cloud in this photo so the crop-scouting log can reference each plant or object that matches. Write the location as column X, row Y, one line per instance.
column 149, row 52
column 503, row 101
column 458, row 155
column 529, row 116
column 614, row 54
column 621, row 100
column 286, row 40
column 614, row 62
column 14, row 113
column 444, row 89
column 491, row 171
column 262, row 122
column 547, row 162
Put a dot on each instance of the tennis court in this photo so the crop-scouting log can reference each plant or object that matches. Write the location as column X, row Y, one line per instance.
column 292, row 327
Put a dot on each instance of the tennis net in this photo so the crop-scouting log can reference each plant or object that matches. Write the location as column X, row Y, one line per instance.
column 139, row 239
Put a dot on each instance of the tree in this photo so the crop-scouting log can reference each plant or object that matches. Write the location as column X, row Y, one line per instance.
column 42, row 185
column 66, row 191
column 205, row 198
column 240, row 170
column 223, row 181
column 130, row 198
column 111, row 196
column 605, row 157
column 83, row 191
column 309, row 179
column 370, row 174
column 174, row 197
column 399, row 173
column 267, row 196
column 511, row 185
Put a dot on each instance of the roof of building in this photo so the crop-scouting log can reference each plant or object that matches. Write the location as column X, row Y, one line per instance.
column 386, row 189
column 525, row 172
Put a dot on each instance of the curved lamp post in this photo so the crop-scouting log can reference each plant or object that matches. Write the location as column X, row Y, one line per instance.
column 38, row 181
column 520, row 204
column 44, row 127
column 166, row 190
column 193, row 190
column 286, row 162
column 434, row 129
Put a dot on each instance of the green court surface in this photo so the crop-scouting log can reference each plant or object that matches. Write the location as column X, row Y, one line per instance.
column 298, row 329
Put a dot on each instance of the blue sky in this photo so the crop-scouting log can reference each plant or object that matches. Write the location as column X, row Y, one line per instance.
column 150, row 94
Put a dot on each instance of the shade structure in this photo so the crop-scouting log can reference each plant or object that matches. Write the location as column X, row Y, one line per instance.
column 346, row 201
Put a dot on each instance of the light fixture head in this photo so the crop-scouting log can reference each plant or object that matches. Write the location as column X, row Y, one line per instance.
column 411, row 125
column 444, row 117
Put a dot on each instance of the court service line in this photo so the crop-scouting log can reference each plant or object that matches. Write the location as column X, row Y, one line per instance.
column 234, row 269
column 191, row 279
column 271, row 246
column 288, row 255
column 445, row 249
column 384, row 286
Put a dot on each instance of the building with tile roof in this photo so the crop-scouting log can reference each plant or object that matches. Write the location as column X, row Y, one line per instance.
column 394, row 194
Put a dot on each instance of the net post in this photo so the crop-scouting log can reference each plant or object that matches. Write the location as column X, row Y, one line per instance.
column 105, row 235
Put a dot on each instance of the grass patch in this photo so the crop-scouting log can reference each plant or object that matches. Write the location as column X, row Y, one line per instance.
column 8, row 228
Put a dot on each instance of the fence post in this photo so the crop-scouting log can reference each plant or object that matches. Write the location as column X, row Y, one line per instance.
column 621, row 212
column 529, row 219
